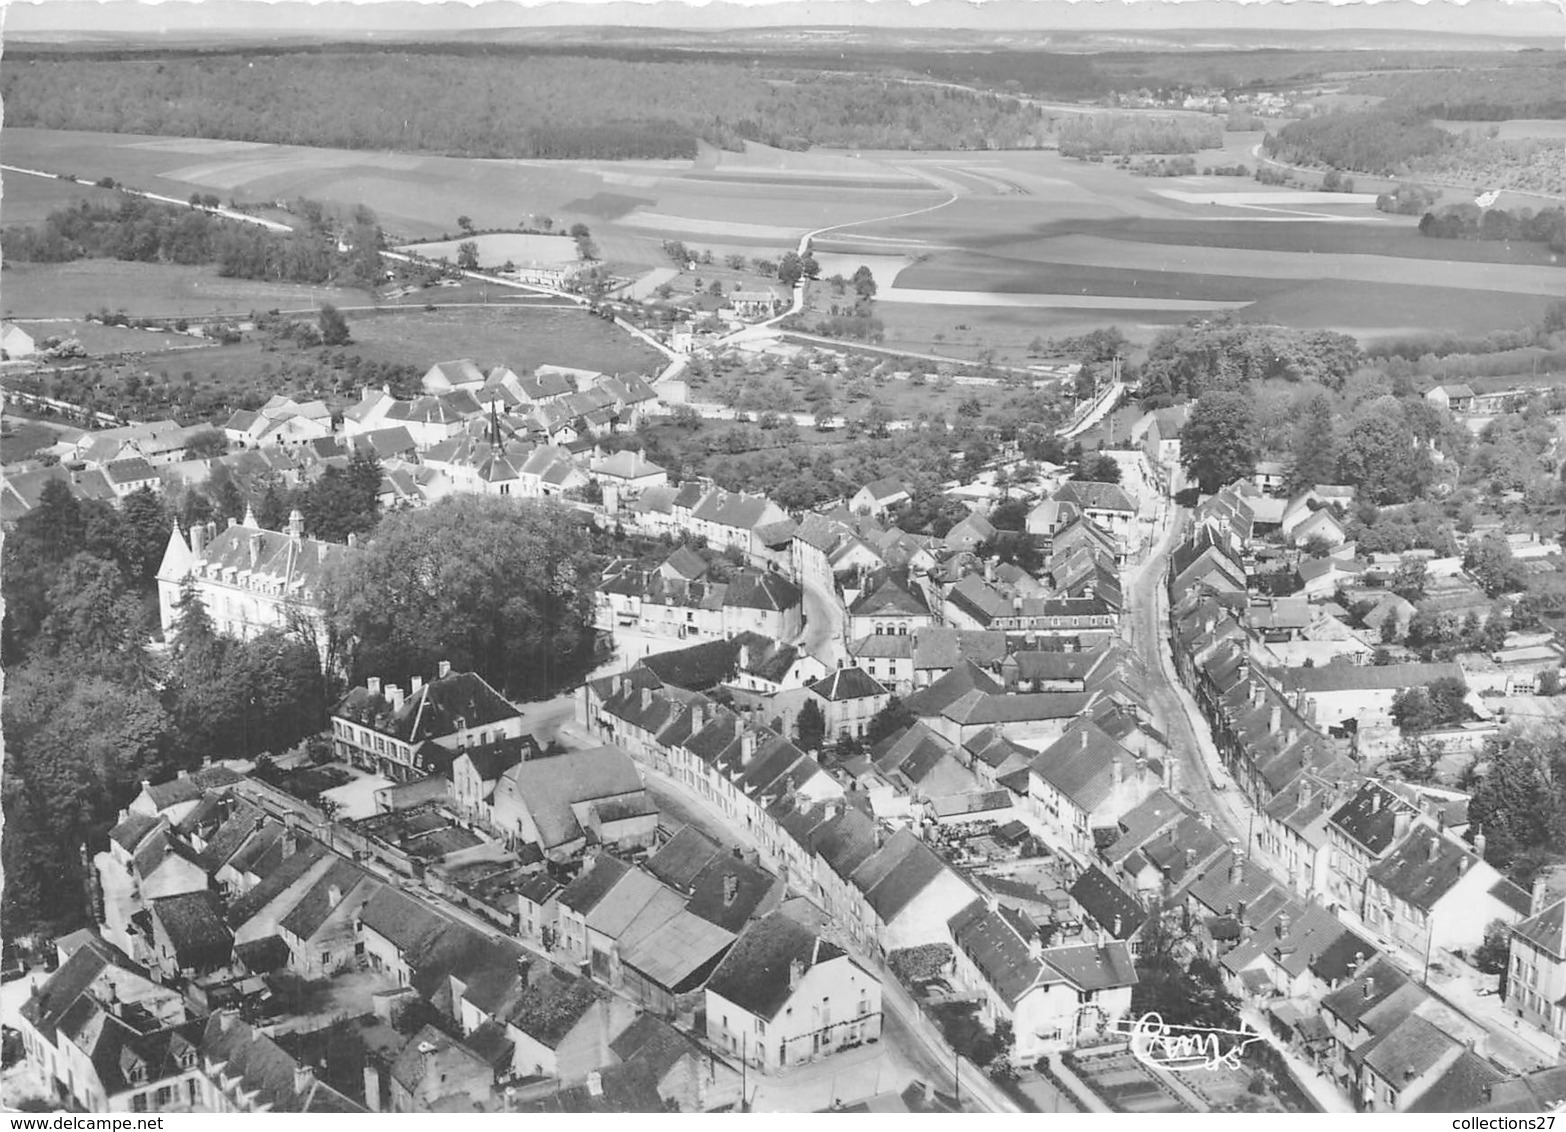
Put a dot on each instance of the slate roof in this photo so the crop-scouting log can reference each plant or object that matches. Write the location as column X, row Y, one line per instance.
column 757, row 589
column 1412, row 874
column 1411, row 1048
column 1101, row 496
column 1093, row 967
column 593, row 883
column 195, row 927
column 265, row 1069
column 754, row 975
column 894, row 877
column 1107, row 903
column 132, row 830
column 843, row 684
column 275, row 883
column 752, row 887
column 965, row 677
column 996, row 947
column 1464, row 1087
column 890, row 595
column 431, row 712
column 1081, row 765
column 1370, row 817
column 680, row 860
column 551, row 787
column 1547, row 930
column 316, row 906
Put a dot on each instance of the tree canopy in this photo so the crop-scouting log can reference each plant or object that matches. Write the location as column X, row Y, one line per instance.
column 500, row 586
column 1219, row 444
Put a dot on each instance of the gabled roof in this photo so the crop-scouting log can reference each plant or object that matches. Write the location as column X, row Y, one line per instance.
column 997, row 949
column 593, row 883
column 682, row 858
column 756, row 589
column 194, row 924
column 890, row 596
column 1093, row 967
column 755, row 975
column 550, row 788
column 964, row 678
column 729, row 892
column 1101, row 496
column 317, row 905
column 1547, row 930
column 431, row 712
column 1111, row 907
column 895, row 876
column 1424, row 868
column 1464, row 1087
column 266, row 1070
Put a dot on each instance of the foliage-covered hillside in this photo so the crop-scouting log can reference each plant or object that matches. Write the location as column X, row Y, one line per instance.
column 536, row 107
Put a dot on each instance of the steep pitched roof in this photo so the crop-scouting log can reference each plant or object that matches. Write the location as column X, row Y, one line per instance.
column 431, row 712
column 1546, row 930
column 680, row 860
column 551, row 787
column 754, row 975
column 195, row 927
column 1111, row 907
column 843, row 684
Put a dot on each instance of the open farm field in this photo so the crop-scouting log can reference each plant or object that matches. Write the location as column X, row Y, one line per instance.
column 1006, row 330
column 1399, row 238
column 1055, row 242
column 496, row 248
column 98, row 339
column 518, row 337
column 65, row 290
column 30, row 200
column 1369, row 311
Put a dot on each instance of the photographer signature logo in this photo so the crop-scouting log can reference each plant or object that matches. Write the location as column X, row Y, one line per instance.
column 1156, row 1042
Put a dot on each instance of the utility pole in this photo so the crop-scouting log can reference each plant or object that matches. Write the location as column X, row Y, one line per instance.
column 956, row 1080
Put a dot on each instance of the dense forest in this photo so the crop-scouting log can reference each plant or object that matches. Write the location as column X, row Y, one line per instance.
column 483, row 106
column 1491, row 95
column 147, row 231
column 1377, row 141
column 1389, row 141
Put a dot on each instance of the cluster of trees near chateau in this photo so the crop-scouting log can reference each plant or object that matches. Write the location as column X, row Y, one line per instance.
column 146, row 231
column 490, row 106
column 91, row 709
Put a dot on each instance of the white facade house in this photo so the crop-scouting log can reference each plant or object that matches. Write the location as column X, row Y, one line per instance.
column 784, row 996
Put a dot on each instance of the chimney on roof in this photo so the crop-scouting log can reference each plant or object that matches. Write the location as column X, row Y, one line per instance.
column 1275, row 724
column 353, row 541
column 443, row 670
column 1283, row 925
column 198, row 540
column 415, row 683
column 394, row 695
column 1119, row 924
column 1479, row 844
column 1400, row 824
column 730, row 889
column 1433, row 850
column 1190, row 858
column 1117, row 769
column 1375, row 800
column 226, row 1020
column 647, row 698
column 796, row 971
column 296, row 524
column 1236, row 864
column 290, row 843
column 256, row 543
column 744, row 658
column 334, row 896
column 747, row 747
column 1370, row 986
column 373, row 685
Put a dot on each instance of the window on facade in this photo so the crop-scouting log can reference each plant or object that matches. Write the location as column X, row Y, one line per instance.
column 139, row 1102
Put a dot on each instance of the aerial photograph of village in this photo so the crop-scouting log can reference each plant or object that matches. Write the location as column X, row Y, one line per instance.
column 965, row 557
